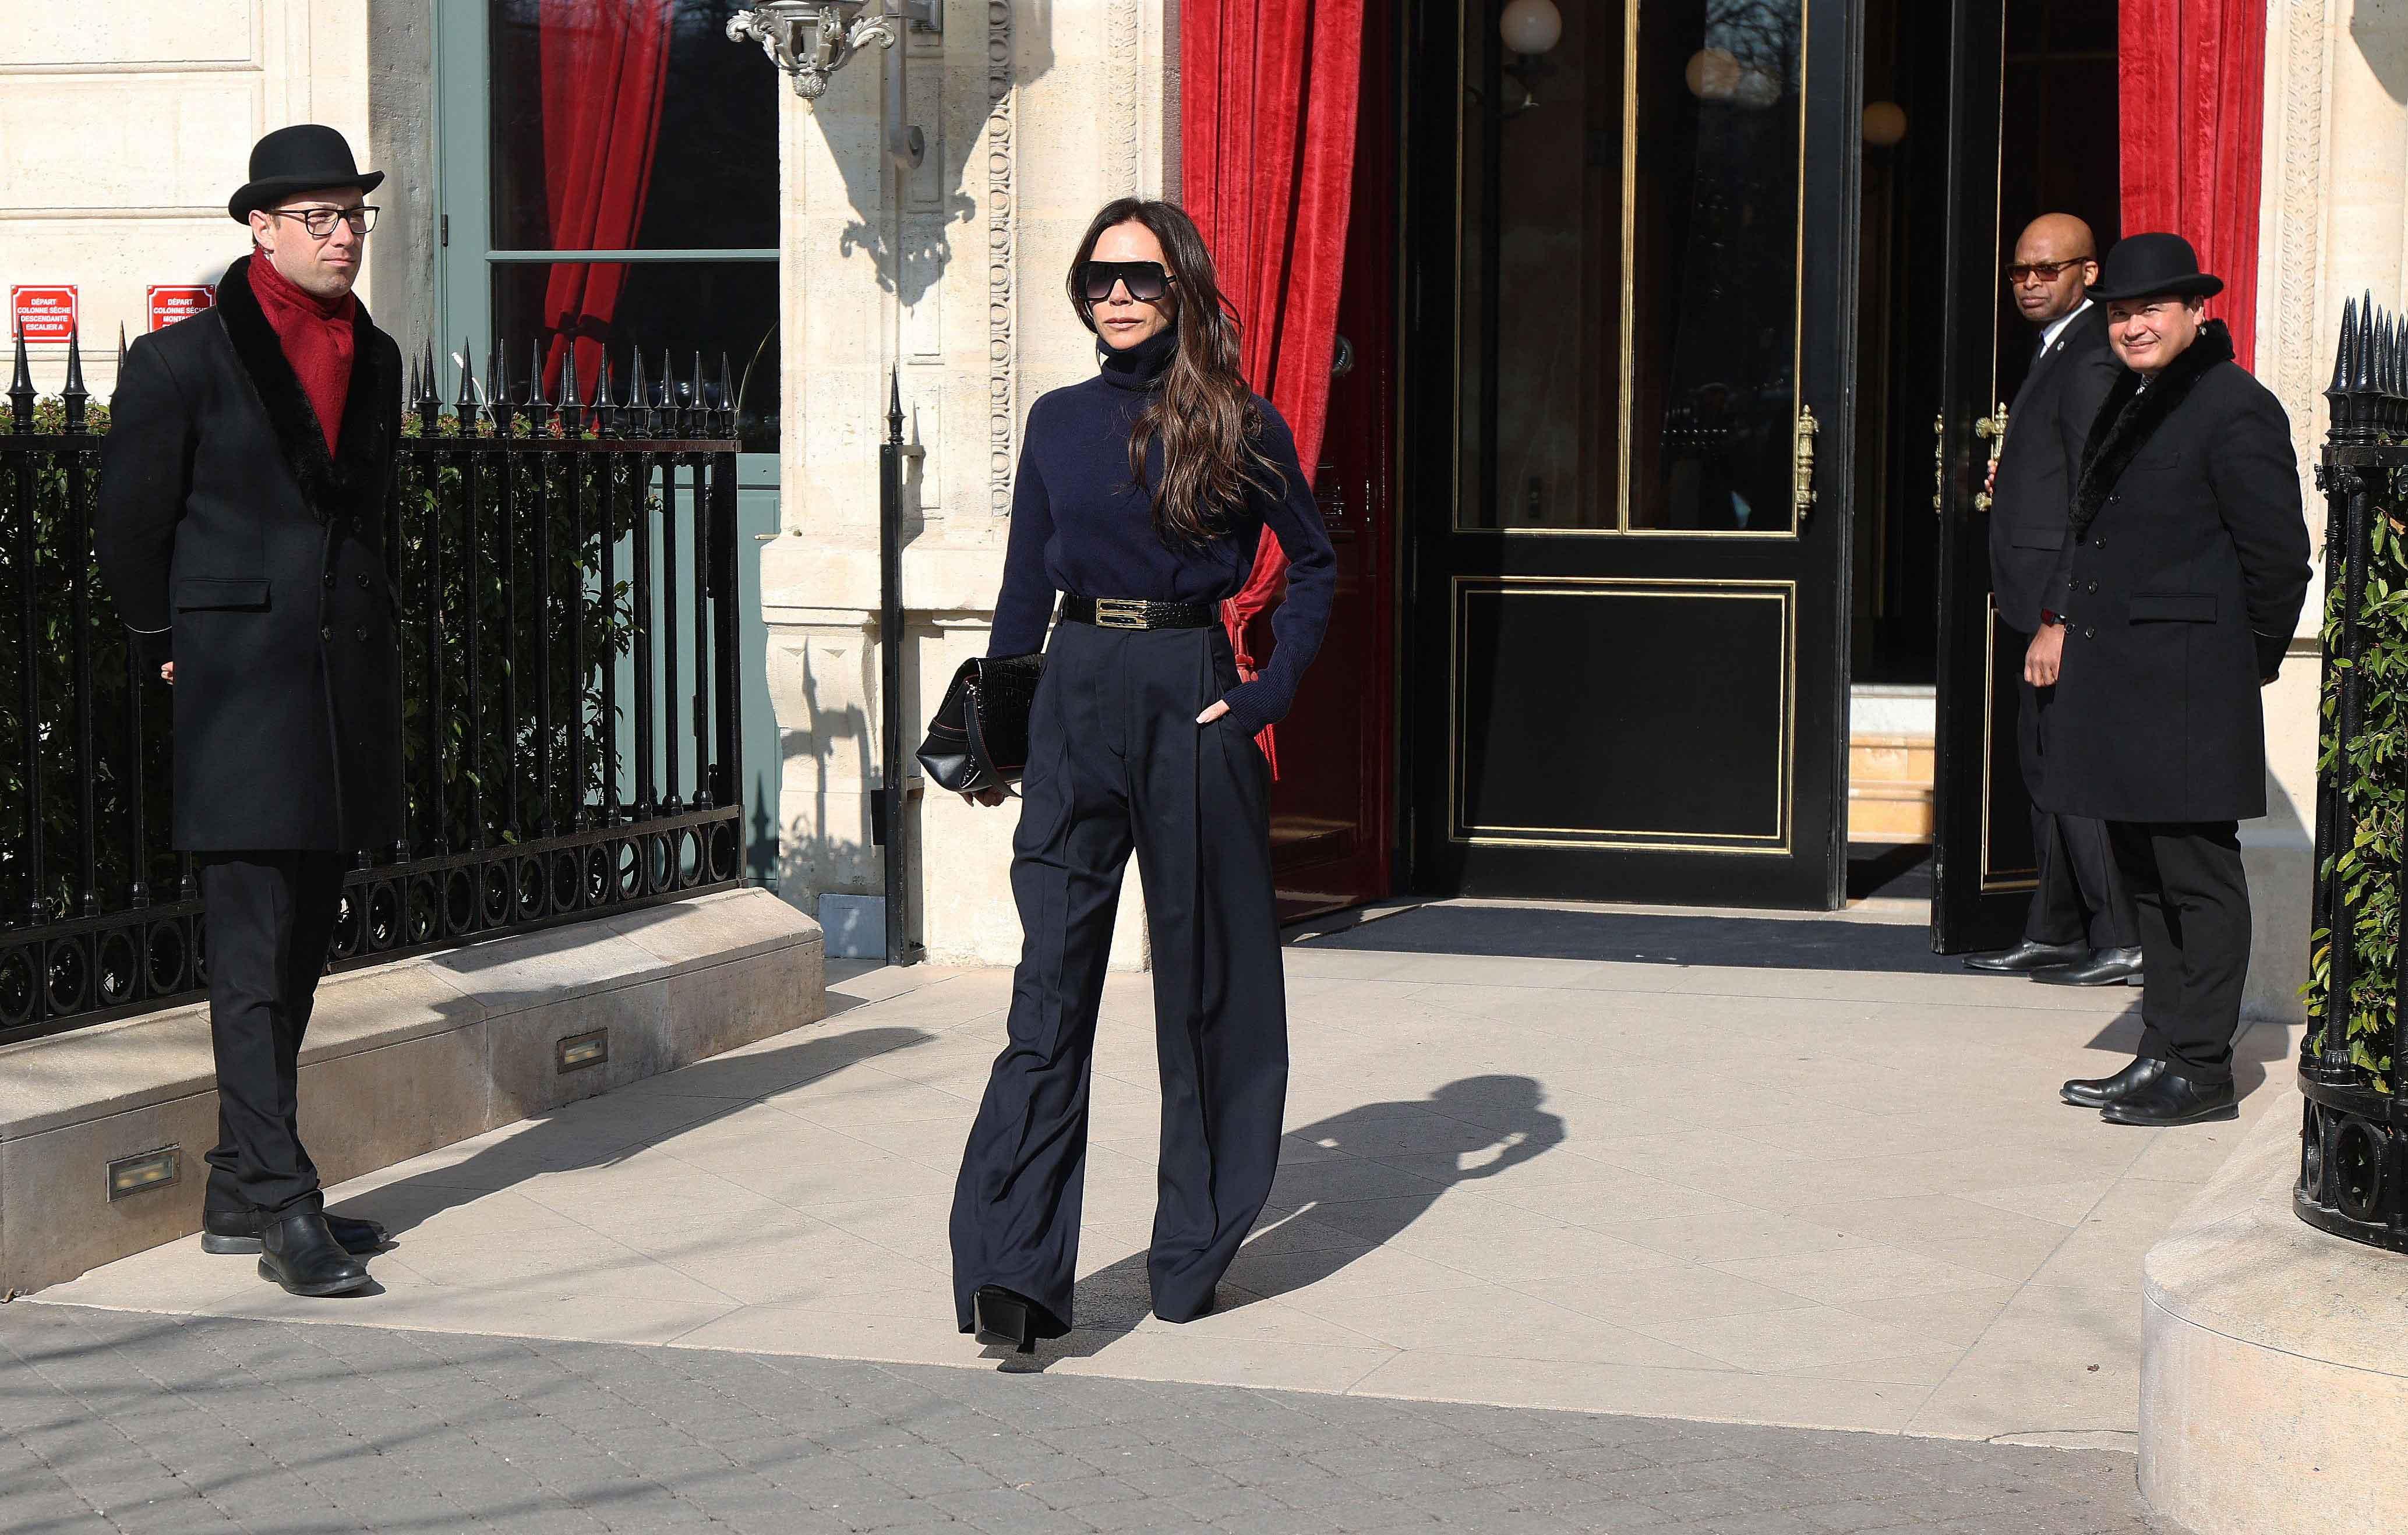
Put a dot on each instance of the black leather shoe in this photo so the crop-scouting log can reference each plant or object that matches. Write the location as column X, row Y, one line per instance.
column 2102, row 967
column 1008, row 1316
column 2027, row 957
column 300, row 1254
column 2172, row 1099
column 2097, row 1092
column 229, row 1232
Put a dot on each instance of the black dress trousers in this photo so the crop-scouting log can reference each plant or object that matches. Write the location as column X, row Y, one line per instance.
column 2080, row 896
column 2193, row 902
column 1117, row 763
column 270, row 917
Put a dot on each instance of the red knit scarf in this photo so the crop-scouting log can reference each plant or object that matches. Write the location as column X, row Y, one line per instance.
column 317, row 337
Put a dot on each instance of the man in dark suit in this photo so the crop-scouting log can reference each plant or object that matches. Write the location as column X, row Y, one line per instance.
column 2176, row 595
column 243, row 498
column 2081, row 928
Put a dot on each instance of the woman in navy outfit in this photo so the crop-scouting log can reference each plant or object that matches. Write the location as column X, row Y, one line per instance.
column 1141, row 498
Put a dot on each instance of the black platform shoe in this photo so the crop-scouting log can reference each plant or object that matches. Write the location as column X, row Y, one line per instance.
column 230, row 1232
column 2027, row 957
column 1009, row 1318
column 299, row 1253
column 2172, row 1099
column 2100, row 967
column 2097, row 1092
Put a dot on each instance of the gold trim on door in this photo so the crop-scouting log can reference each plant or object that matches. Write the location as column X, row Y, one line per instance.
column 1784, row 593
column 1626, row 329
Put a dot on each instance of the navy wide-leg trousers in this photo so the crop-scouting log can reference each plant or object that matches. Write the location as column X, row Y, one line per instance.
column 1118, row 763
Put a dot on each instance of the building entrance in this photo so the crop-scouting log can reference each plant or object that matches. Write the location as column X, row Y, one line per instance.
column 1701, row 323
column 1628, row 446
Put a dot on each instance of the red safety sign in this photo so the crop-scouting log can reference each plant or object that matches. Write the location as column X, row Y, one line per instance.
column 42, row 311
column 172, row 302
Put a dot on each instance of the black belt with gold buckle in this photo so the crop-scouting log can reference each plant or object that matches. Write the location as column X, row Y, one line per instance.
column 1136, row 613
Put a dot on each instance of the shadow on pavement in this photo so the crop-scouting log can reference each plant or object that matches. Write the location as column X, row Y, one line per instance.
column 1490, row 1123
column 588, row 1133
column 1539, row 932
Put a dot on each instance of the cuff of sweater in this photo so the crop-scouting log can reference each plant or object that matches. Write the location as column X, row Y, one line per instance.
column 1253, row 705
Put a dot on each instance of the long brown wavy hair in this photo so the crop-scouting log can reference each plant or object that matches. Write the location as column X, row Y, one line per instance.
column 1204, row 413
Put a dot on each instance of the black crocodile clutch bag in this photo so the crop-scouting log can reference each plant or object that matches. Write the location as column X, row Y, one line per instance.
column 978, row 739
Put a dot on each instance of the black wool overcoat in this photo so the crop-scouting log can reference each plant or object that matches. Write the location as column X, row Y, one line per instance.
column 2039, row 460
column 2182, row 583
column 224, row 520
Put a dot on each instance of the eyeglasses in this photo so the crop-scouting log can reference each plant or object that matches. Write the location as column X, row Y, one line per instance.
column 1146, row 280
column 2023, row 272
column 320, row 222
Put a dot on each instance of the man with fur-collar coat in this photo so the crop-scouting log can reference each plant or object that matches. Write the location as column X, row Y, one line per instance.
column 245, row 489
column 2182, row 581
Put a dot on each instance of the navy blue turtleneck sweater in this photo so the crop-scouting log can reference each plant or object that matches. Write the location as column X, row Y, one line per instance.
column 1080, row 525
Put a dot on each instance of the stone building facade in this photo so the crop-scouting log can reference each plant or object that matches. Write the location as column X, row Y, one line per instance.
column 123, row 127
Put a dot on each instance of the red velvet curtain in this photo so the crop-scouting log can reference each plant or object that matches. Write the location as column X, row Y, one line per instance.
column 603, row 62
column 1267, row 102
column 2192, row 96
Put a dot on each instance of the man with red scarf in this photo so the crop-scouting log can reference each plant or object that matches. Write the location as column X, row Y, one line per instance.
column 241, row 529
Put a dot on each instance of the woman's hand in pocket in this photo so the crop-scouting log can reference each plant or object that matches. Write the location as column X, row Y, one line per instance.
column 1211, row 712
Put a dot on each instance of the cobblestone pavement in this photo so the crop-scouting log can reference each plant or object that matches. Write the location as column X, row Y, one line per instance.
column 113, row 1421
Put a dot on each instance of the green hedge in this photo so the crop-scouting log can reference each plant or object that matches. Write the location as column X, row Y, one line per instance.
column 2373, row 786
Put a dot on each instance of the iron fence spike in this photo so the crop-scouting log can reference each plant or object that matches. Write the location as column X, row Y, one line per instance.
column 21, row 387
column 465, row 407
column 534, row 381
column 2347, row 338
column 568, row 398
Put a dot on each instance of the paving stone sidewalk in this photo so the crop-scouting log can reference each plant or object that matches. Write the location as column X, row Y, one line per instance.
column 119, row 1421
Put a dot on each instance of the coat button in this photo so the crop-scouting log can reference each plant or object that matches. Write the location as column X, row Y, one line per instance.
column 325, row 632
column 363, row 579
column 2092, row 587
column 2099, row 543
column 362, row 633
column 330, row 579
column 2090, row 634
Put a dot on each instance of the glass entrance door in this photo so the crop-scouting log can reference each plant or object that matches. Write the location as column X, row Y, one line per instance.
column 1631, row 295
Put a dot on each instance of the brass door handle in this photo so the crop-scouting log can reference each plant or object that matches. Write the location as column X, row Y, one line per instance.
column 1801, row 490
column 1939, row 465
column 1993, row 430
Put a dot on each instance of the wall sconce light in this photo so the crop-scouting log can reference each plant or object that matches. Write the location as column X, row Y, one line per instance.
column 1531, row 29
column 811, row 40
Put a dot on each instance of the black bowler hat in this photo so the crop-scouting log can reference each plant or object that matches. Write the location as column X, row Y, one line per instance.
column 2150, row 265
column 302, row 157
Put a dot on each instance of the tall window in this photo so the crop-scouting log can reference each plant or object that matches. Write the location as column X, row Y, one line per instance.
column 631, row 130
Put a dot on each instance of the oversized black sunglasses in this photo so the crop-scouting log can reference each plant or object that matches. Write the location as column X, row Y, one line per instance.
column 1147, row 281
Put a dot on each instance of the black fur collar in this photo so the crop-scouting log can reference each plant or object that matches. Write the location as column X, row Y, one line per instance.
column 351, row 480
column 2131, row 416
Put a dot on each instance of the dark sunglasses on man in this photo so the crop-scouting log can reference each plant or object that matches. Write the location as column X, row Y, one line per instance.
column 2023, row 272
column 1147, row 281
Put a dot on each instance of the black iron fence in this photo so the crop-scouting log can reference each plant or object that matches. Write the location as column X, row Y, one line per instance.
column 2354, row 1142
column 570, row 686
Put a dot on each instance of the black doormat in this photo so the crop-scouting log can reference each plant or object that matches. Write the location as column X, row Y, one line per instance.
column 1760, row 942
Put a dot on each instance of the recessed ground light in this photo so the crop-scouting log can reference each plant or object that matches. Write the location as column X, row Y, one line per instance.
column 151, row 1170
column 579, row 1051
